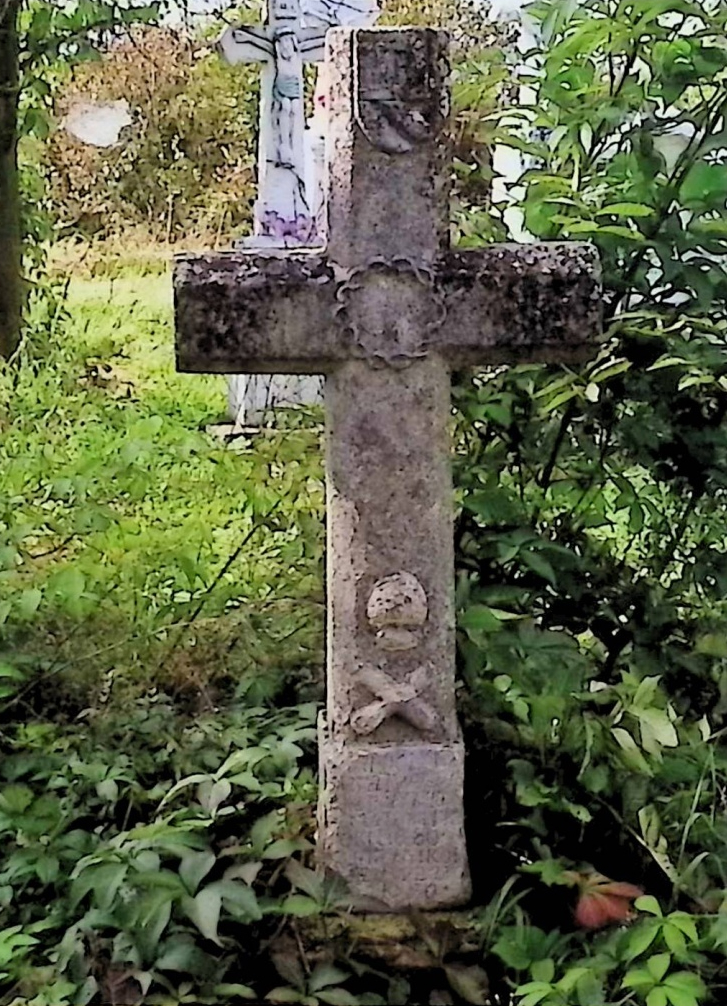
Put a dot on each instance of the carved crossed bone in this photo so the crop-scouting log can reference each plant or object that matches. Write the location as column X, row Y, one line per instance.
column 394, row 698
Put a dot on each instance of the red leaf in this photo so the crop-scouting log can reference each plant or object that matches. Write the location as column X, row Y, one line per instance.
column 603, row 901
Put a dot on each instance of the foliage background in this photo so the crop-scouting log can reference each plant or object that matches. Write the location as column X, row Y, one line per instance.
column 161, row 594
column 185, row 166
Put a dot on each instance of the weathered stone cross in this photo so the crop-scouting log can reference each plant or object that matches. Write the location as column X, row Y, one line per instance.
column 386, row 312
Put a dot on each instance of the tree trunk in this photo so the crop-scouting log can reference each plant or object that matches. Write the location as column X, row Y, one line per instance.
column 10, row 242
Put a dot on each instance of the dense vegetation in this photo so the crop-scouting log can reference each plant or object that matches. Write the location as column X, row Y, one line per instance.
column 186, row 164
column 161, row 593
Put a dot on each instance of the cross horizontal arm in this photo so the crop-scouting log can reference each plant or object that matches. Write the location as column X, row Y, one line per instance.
column 256, row 313
column 245, row 45
column 352, row 13
column 507, row 302
column 312, row 45
column 256, row 44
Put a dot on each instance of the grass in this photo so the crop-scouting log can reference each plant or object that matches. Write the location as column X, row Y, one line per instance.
column 136, row 546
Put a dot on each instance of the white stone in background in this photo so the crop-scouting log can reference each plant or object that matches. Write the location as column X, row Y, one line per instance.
column 509, row 163
column 672, row 143
column 98, row 123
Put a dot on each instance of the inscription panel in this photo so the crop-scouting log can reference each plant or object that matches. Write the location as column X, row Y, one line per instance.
column 398, row 807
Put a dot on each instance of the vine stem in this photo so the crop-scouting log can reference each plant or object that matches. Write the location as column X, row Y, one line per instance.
column 231, row 559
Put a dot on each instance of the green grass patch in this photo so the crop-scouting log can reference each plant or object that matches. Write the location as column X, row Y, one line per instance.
column 128, row 532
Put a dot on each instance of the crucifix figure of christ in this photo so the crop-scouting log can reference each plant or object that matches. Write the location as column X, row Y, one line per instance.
column 287, row 211
column 386, row 311
column 294, row 33
column 282, row 45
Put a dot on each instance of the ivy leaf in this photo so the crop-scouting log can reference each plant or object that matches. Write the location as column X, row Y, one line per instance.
column 15, row 799
column 67, row 585
column 228, row 990
column 336, row 997
column 324, row 975
column 10, row 679
column 29, row 602
column 704, row 187
column 478, row 618
column 626, row 210
column 688, row 982
column 300, row 905
column 211, row 794
column 658, row 965
column 194, row 867
column 657, row 730
column 641, row 937
column 540, row 565
column 239, row 899
column 204, row 912
column 657, row 997
column 637, row 978
column 284, row 994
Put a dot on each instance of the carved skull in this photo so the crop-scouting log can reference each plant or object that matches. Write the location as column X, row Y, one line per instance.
column 396, row 608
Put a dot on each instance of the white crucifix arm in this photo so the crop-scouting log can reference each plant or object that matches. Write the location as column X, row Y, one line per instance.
column 255, row 44
column 345, row 13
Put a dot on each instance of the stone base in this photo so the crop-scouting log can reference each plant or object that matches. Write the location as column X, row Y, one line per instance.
column 391, row 823
column 397, row 942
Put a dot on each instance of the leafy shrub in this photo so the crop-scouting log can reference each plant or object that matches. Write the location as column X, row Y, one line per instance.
column 187, row 162
column 52, row 38
column 590, row 541
column 186, row 166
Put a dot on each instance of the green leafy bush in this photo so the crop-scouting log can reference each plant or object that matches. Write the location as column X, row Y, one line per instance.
column 52, row 38
column 590, row 540
column 186, row 163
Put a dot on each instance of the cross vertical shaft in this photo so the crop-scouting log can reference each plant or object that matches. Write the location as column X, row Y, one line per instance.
column 391, row 561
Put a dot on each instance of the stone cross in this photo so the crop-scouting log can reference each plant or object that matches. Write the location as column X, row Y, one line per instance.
column 386, row 312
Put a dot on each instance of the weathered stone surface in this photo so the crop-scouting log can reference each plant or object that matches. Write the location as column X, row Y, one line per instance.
column 373, row 833
column 244, row 311
column 508, row 302
column 388, row 182
column 386, row 313
column 305, row 314
column 389, row 515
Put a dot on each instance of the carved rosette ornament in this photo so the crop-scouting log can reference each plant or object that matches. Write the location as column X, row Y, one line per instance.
column 382, row 310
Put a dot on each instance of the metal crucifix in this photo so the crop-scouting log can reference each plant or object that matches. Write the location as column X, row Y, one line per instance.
column 289, row 209
column 282, row 213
